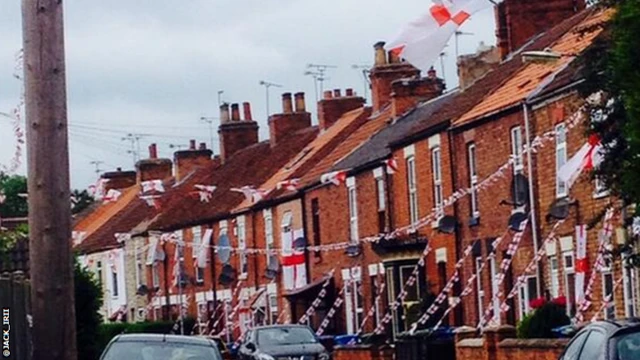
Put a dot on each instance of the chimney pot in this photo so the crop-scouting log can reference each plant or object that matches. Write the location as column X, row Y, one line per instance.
column 432, row 73
column 337, row 93
column 328, row 94
column 235, row 112
column 287, row 105
column 203, row 146
column 119, row 169
column 224, row 113
column 349, row 92
column 380, row 54
column 393, row 58
column 153, row 151
column 300, row 103
column 247, row 111
column 192, row 144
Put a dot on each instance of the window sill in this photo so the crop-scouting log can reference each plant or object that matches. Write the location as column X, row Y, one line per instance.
column 244, row 276
column 199, row 282
column 601, row 195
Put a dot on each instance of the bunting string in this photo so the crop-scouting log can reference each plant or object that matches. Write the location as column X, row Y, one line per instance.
column 332, row 312
column 606, row 301
column 16, row 116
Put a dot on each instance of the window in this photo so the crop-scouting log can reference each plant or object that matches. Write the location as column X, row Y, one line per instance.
column 573, row 350
column 272, row 299
column 382, row 199
column 241, row 233
column 516, row 150
column 114, row 284
column 607, row 287
column 630, row 290
column 569, row 281
column 561, row 159
column 495, row 289
column 268, row 236
column 473, row 180
column 594, row 346
column 413, row 190
column 196, row 232
column 353, row 210
column 601, row 189
column 99, row 272
column 155, row 275
column 376, row 273
column 315, row 224
column 479, row 287
column 140, row 275
column 199, row 275
column 354, row 300
column 436, row 168
column 554, row 267
column 528, row 292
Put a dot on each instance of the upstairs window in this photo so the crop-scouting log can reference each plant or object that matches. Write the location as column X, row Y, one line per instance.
column 315, row 224
column 516, row 150
column 241, row 233
column 353, row 210
column 381, row 196
column 268, row 235
column 473, row 180
column 413, row 190
column 436, row 169
column 561, row 159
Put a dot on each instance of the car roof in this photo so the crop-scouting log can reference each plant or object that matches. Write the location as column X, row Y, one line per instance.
column 285, row 326
column 613, row 326
column 164, row 338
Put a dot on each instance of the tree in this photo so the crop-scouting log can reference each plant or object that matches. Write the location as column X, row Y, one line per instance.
column 12, row 187
column 88, row 297
column 81, row 200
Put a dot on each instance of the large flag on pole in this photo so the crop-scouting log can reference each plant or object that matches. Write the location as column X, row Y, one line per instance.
column 421, row 41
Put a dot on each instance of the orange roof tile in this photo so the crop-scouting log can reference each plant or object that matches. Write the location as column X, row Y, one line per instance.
column 522, row 84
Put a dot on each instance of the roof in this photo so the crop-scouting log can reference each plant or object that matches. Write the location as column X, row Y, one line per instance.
column 314, row 153
column 467, row 99
column 536, row 75
column 195, row 340
column 251, row 166
column 378, row 146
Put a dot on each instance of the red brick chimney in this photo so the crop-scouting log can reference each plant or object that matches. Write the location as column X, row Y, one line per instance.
column 387, row 69
column 289, row 121
column 153, row 168
column 187, row 161
column 519, row 20
column 119, row 179
column 334, row 105
column 236, row 134
column 407, row 93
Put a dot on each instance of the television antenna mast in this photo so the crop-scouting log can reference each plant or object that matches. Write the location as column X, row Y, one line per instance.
column 267, row 85
column 319, row 75
column 209, row 120
column 97, row 165
column 365, row 69
column 220, row 92
column 134, row 140
column 458, row 34
column 442, row 56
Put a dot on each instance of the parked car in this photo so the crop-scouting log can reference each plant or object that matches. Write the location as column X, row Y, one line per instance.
column 606, row 340
column 282, row 342
column 222, row 346
column 160, row 347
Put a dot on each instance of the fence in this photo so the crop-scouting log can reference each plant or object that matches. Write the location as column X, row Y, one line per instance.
column 15, row 302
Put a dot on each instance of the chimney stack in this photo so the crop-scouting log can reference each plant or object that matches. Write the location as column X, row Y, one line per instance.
column 300, row 103
column 235, row 112
column 153, row 168
column 384, row 73
column 517, row 21
column 474, row 66
column 349, row 92
column 407, row 93
column 236, row 135
column 333, row 107
column 118, row 180
column 188, row 161
column 247, row 111
column 282, row 125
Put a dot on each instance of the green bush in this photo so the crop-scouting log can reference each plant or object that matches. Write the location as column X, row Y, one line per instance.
column 546, row 318
column 88, row 297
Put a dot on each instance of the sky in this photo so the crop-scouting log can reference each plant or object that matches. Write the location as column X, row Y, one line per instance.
column 153, row 68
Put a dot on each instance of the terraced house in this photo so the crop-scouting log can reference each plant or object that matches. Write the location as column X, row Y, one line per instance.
column 430, row 204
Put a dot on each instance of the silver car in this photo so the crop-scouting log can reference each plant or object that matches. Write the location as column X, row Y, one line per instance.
column 160, row 347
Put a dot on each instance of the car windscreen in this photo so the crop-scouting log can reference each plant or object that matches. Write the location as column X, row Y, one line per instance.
column 155, row 350
column 286, row 336
column 628, row 346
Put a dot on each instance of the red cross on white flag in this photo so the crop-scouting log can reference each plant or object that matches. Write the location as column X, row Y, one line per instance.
column 421, row 41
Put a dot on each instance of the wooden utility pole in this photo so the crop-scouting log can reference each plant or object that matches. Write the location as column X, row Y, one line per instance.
column 52, row 294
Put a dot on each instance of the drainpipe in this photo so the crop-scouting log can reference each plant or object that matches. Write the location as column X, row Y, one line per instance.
column 255, row 246
column 167, row 309
column 458, row 314
column 532, row 203
column 214, row 282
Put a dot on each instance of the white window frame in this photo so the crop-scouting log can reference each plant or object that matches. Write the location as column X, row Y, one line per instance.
column 630, row 276
column 436, row 169
column 354, row 312
column 517, row 150
column 139, row 265
column 353, row 210
column 412, row 187
column 525, row 297
column 495, row 289
column 609, row 312
column 268, row 234
column 600, row 189
column 241, row 234
column 562, row 189
column 381, row 192
column 155, row 275
column 196, row 235
column 115, row 282
column 473, row 180
column 554, row 272
column 272, row 303
column 480, row 286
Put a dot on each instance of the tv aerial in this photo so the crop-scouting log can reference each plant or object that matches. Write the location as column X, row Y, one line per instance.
column 268, row 85
column 319, row 72
column 366, row 70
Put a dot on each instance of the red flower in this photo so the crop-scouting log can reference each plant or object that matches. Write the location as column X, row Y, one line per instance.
column 537, row 303
column 560, row 301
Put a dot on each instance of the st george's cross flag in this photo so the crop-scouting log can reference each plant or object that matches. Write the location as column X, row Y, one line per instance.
column 421, row 41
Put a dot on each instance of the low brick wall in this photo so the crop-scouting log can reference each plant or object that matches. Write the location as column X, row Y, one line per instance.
column 501, row 344
column 362, row 352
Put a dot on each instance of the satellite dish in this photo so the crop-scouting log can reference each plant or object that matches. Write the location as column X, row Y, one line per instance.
column 272, row 268
column 516, row 220
column 300, row 243
column 142, row 290
column 520, row 190
column 560, row 209
column 224, row 249
column 228, row 275
column 354, row 250
column 447, row 224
